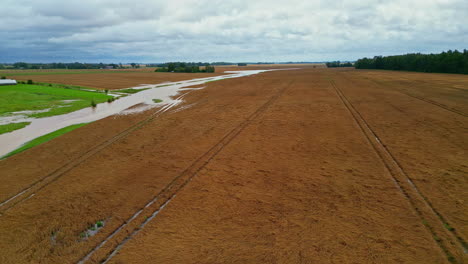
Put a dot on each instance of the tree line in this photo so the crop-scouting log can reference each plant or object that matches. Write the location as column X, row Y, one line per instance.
column 187, row 67
column 445, row 62
column 59, row 65
column 191, row 63
column 335, row 64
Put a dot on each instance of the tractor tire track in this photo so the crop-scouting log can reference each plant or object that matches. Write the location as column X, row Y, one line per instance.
column 433, row 103
column 110, row 246
column 450, row 243
column 461, row 240
column 453, row 110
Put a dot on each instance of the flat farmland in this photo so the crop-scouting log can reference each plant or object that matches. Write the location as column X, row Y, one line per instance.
column 104, row 79
column 301, row 166
column 268, row 66
column 125, row 78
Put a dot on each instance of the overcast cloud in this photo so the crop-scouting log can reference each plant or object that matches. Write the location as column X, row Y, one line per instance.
column 226, row 30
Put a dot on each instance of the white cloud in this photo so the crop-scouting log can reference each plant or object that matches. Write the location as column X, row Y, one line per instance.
column 154, row 31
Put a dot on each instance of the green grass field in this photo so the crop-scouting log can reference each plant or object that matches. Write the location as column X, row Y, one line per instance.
column 43, row 139
column 25, row 97
column 67, row 86
column 12, row 127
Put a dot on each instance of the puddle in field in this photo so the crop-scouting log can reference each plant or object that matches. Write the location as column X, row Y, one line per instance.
column 92, row 230
column 164, row 91
column 24, row 116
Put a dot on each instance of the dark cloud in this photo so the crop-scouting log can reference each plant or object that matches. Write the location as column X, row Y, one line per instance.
column 215, row 30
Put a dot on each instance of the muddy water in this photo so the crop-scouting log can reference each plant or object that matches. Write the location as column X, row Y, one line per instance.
column 166, row 92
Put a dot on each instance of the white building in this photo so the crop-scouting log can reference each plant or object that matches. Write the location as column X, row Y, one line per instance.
column 7, row 82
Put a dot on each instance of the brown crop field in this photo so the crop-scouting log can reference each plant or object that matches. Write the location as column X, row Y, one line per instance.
column 109, row 79
column 118, row 79
column 312, row 165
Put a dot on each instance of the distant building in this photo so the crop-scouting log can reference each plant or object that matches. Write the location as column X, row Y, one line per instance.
column 7, row 82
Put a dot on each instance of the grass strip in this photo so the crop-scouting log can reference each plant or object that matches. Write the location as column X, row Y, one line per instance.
column 130, row 90
column 43, row 139
column 56, row 99
column 12, row 127
column 69, row 86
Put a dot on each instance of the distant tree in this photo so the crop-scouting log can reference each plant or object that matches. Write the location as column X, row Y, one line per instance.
column 209, row 68
column 335, row 64
column 21, row 65
column 221, row 63
column 187, row 67
column 161, row 69
column 171, row 67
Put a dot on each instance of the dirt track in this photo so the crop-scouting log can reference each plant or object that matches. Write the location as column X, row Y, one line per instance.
column 281, row 167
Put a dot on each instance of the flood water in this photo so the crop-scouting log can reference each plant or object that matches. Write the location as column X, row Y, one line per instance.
column 165, row 92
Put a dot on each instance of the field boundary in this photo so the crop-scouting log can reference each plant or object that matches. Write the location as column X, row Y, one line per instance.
column 450, row 243
column 132, row 226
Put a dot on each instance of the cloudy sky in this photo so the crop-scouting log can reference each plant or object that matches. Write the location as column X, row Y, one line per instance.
column 226, row 30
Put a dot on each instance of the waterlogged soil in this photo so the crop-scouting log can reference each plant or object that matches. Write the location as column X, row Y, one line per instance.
column 143, row 95
column 297, row 181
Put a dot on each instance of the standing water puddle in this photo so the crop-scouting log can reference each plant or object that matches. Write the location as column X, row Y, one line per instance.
column 41, row 126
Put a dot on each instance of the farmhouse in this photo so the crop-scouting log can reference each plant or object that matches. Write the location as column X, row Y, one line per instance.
column 7, row 82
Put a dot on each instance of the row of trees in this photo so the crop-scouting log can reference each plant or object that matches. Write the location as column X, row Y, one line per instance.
column 74, row 65
column 191, row 64
column 445, row 62
column 335, row 64
column 188, row 67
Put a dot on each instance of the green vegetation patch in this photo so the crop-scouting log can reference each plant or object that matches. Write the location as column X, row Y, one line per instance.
column 44, row 139
column 131, row 90
column 450, row 228
column 157, row 100
column 92, row 230
column 12, row 127
column 69, row 86
column 24, row 97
